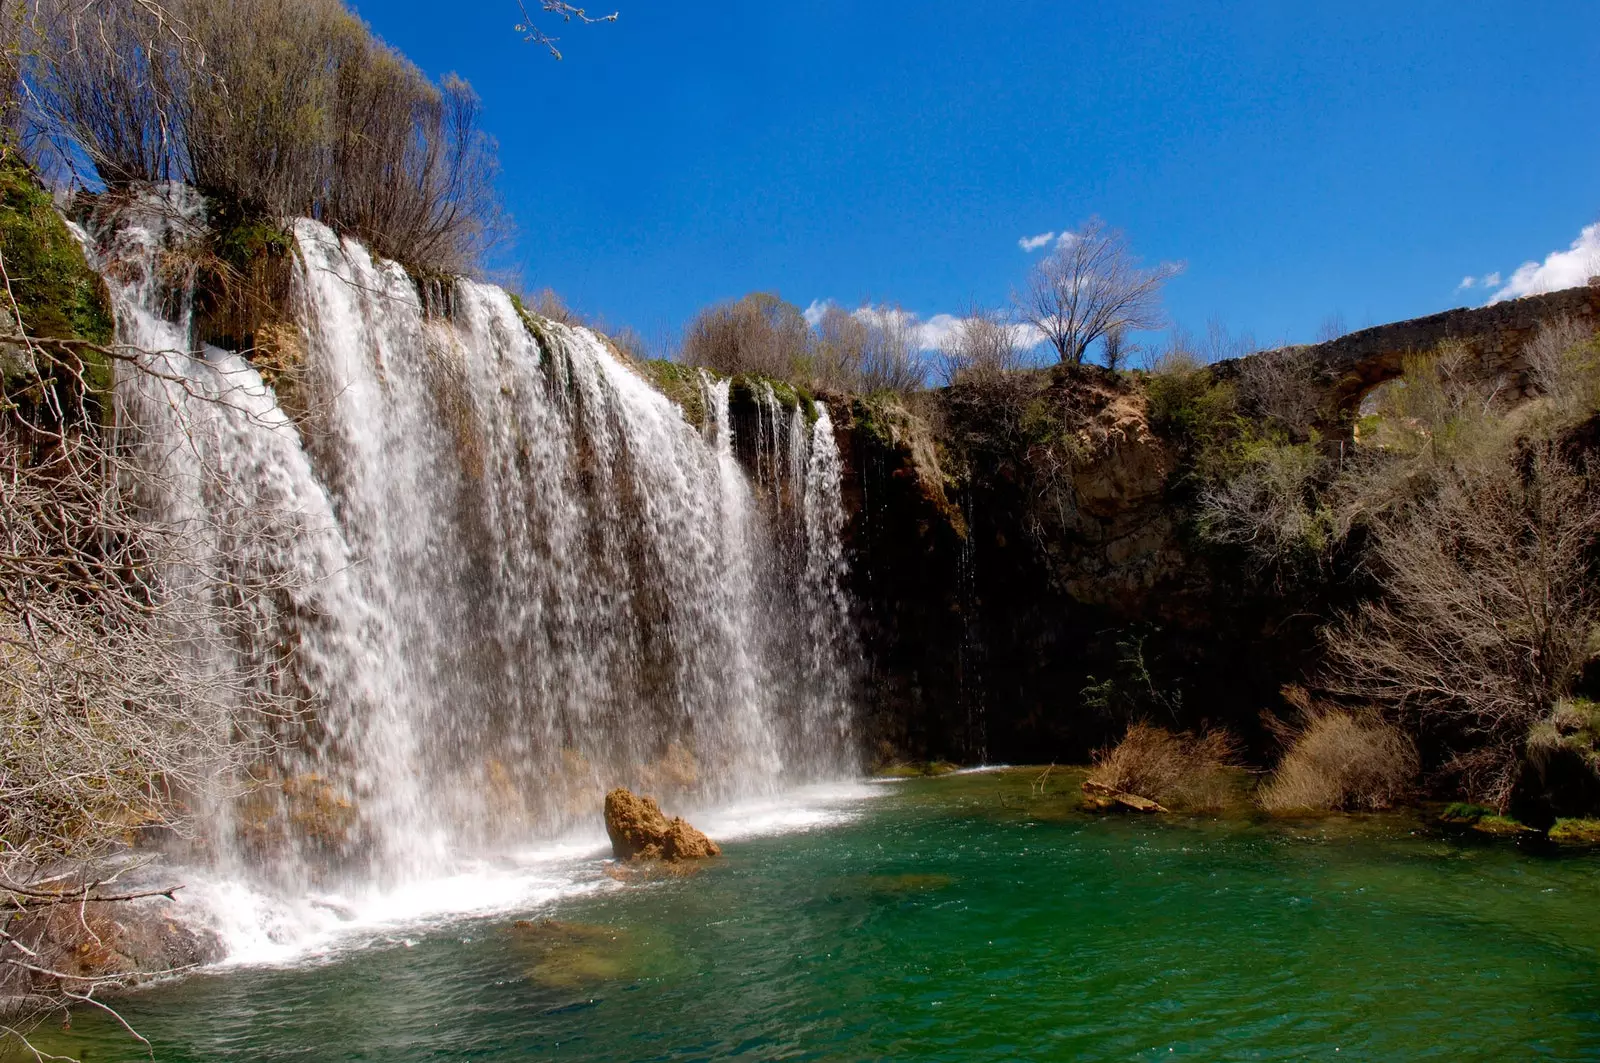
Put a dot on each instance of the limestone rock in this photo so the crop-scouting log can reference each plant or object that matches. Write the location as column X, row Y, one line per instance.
column 639, row 830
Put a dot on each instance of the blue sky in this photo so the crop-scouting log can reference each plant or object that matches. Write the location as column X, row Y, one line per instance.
column 1303, row 160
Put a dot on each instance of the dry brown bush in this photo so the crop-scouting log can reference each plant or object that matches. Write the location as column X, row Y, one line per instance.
column 1487, row 608
column 1178, row 769
column 982, row 346
column 759, row 334
column 1340, row 760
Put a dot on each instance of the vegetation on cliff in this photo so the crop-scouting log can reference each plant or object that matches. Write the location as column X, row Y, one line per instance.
column 113, row 716
column 288, row 108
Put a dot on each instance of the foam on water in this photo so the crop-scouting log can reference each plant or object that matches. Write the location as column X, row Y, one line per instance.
column 263, row 928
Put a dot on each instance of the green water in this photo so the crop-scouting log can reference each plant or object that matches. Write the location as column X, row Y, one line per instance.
column 965, row 918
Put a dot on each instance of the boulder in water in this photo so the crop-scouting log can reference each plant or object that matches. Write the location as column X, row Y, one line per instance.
column 639, row 830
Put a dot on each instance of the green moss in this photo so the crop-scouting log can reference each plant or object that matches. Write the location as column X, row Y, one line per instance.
column 58, row 296
column 1501, row 825
column 681, row 384
column 917, row 769
column 240, row 236
column 1462, row 812
column 1576, row 832
column 747, row 386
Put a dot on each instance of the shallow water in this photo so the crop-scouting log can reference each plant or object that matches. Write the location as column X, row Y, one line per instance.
column 962, row 918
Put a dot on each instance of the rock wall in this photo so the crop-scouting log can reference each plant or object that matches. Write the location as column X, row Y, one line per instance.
column 1354, row 364
column 1025, row 561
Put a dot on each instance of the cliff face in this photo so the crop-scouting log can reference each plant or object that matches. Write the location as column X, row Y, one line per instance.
column 1026, row 575
column 1027, row 565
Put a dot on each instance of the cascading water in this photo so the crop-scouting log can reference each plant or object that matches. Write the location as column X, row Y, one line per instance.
column 510, row 573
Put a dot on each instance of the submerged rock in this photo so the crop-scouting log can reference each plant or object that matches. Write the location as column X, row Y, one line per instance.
column 639, row 830
column 574, row 955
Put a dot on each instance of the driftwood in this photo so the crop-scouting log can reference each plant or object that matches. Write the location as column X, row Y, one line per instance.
column 1103, row 798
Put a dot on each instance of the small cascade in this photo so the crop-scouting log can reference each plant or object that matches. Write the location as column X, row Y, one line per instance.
column 506, row 573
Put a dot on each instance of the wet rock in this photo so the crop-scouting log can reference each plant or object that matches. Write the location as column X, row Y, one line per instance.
column 1098, row 797
column 123, row 942
column 639, row 830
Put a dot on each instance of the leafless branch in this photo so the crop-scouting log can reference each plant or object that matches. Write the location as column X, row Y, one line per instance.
column 531, row 32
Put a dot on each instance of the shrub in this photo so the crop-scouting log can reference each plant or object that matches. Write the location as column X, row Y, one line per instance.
column 1266, row 497
column 1339, row 759
column 1185, row 403
column 757, row 335
column 290, row 107
column 1484, row 622
column 1182, row 770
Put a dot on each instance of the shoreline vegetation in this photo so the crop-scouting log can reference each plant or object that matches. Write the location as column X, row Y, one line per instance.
column 1243, row 794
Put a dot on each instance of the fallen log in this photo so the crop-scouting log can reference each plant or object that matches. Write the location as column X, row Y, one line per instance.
column 1103, row 798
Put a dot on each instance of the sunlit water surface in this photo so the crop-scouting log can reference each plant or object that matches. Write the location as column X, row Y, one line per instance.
column 963, row 918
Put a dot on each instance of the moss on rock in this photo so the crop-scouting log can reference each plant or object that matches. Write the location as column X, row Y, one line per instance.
column 57, row 295
column 1576, row 832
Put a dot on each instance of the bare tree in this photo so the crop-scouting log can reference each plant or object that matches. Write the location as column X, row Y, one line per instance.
column 1332, row 327
column 1113, row 347
column 289, row 108
column 1088, row 286
column 1487, row 609
column 126, row 700
column 759, row 333
column 981, row 346
column 892, row 359
column 531, row 32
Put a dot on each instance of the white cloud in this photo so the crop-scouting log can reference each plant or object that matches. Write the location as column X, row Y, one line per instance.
column 1491, row 280
column 927, row 335
column 1467, row 282
column 937, row 330
column 1033, row 243
column 1560, row 269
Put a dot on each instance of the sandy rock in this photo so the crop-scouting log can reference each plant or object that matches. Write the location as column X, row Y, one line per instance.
column 639, row 830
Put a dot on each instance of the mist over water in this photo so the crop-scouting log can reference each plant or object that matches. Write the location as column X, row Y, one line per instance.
column 504, row 573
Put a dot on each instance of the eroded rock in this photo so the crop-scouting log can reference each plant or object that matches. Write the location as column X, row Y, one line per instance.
column 639, row 830
column 106, row 942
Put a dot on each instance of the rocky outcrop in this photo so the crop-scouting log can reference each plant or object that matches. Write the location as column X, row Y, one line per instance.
column 105, row 943
column 639, row 830
column 1496, row 335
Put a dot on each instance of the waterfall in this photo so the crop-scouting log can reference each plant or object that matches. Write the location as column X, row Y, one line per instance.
column 506, row 572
